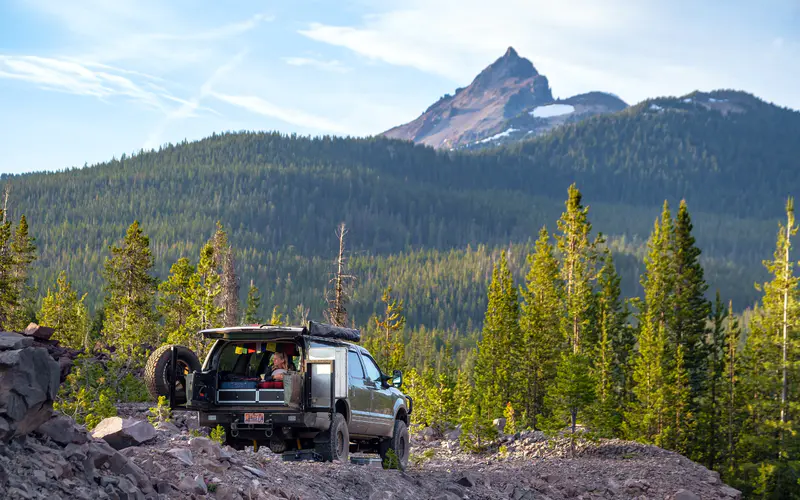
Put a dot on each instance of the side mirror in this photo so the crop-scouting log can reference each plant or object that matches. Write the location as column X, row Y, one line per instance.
column 397, row 378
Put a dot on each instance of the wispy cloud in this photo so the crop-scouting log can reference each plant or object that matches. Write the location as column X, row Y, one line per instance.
column 260, row 106
column 333, row 65
column 71, row 77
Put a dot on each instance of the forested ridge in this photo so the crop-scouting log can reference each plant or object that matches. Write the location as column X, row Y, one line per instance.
column 280, row 197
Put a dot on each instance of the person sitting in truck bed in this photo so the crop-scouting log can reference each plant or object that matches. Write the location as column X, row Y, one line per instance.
column 279, row 366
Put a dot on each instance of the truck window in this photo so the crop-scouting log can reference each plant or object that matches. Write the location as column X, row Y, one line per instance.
column 373, row 373
column 354, row 366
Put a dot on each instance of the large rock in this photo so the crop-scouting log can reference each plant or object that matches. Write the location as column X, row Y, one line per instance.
column 121, row 433
column 39, row 332
column 63, row 431
column 29, row 380
column 11, row 340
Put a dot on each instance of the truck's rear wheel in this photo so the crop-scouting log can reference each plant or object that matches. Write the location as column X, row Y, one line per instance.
column 398, row 443
column 158, row 370
column 335, row 445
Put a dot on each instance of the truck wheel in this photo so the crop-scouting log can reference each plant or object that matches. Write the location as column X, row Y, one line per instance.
column 157, row 371
column 398, row 443
column 336, row 446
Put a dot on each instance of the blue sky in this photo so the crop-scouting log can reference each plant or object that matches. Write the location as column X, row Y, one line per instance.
column 84, row 80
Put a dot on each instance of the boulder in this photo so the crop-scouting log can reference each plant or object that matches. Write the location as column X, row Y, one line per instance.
column 453, row 435
column 11, row 340
column 500, row 424
column 181, row 454
column 684, row 495
column 194, row 485
column 63, row 431
column 168, row 427
column 427, row 434
column 121, row 433
column 39, row 332
column 29, row 381
column 204, row 445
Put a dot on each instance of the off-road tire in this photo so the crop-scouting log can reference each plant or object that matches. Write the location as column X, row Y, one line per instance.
column 335, row 445
column 398, row 442
column 156, row 374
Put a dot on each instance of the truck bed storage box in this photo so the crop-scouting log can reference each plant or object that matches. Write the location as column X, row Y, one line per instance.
column 243, row 384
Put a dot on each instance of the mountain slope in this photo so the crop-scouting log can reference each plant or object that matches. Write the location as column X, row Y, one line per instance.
column 281, row 198
column 508, row 99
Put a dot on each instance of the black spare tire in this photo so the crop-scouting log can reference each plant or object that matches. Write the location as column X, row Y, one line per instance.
column 158, row 370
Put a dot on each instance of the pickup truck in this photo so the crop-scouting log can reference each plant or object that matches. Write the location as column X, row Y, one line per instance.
column 332, row 398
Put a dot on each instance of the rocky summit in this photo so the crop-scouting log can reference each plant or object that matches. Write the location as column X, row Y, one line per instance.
column 509, row 100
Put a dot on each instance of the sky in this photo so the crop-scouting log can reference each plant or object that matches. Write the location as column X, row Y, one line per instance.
column 82, row 81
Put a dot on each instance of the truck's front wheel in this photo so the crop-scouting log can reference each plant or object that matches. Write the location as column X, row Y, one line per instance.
column 336, row 444
column 399, row 444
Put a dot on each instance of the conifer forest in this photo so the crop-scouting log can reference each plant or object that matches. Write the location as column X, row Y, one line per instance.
column 569, row 305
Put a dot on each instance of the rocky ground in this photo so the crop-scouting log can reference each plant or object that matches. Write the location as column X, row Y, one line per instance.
column 127, row 458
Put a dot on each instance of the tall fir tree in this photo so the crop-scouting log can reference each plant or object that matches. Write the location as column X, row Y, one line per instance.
column 8, row 290
column 578, row 255
column 23, row 254
column 207, row 304
column 177, row 305
column 496, row 361
column 690, row 308
column 609, row 372
column 769, row 364
column 387, row 342
column 130, row 324
column 252, row 312
column 64, row 311
column 645, row 418
column 730, row 399
column 573, row 390
column 540, row 323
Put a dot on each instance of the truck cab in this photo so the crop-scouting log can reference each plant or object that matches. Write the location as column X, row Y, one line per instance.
column 332, row 397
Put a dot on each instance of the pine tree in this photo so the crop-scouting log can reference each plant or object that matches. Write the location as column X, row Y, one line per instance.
column 177, row 305
column 252, row 314
column 770, row 354
column 573, row 390
column 540, row 317
column 730, row 400
column 230, row 289
column 645, row 418
column 8, row 290
column 496, row 361
column 710, row 417
column 578, row 255
column 340, row 296
column 23, row 254
column 277, row 317
column 680, row 426
column 66, row 313
column 610, row 318
column 690, row 308
column 388, row 345
column 130, row 293
column 206, row 303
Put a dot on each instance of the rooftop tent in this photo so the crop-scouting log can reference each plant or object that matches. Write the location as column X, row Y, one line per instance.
column 333, row 332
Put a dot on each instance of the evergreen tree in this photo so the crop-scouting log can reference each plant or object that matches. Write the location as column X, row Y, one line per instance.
column 387, row 345
column 609, row 372
column 277, row 317
column 578, row 255
column 496, row 361
column 130, row 293
column 177, row 305
column 540, row 318
column 573, row 390
column 66, row 313
column 690, row 308
column 23, row 254
column 730, row 401
column 208, row 307
column 229, row 283
column 645, row 418
column 710, row 418
column 252, row 314
column 8, row 290
column 769, row 360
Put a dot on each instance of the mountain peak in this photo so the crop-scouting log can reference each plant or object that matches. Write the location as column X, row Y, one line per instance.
column 511, row 53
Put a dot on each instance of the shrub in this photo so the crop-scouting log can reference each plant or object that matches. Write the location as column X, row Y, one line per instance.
column 218, row 434
column 161, row 412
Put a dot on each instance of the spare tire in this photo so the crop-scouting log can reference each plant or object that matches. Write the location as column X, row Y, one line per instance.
column 158, row 370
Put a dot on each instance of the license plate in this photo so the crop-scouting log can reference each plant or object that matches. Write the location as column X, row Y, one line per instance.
column 254, row 418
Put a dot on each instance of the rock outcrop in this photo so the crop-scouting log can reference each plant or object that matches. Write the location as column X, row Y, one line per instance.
column 29, row 381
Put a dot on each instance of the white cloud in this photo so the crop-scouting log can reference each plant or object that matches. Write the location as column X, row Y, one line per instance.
column 74, row 78
column 333, row 65
column 622, row 46
column 260, row 106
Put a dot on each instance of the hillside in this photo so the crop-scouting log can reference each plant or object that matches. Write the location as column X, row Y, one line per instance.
column 507, row 101
column 282, row 197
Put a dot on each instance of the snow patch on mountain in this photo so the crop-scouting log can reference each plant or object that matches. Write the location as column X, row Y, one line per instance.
column 552, row 110
column 504, row 133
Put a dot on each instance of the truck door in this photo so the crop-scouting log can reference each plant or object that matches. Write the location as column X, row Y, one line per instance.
column 382, row 408
column 359, row 395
